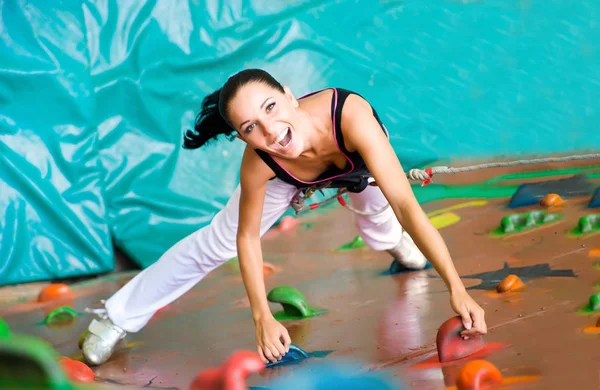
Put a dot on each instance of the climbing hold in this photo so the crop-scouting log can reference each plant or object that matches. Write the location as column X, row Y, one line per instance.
column 354, row 244
column 269, row 268
column 592, row 306
column 293, row 355
column 594, row 252
column 28, row 362
column 552, row 201
column 530, row 194
column 594, row 303
column 237, row 368
column 293, row 302
column 76, row 371
column 397, row 268
column 478, row 374
column 231, row 375
column 444, row 220
column 595, row 201
column 510, row 283
column 61, row 316
column 82, row 338
column 587, row 224
column 327, row 375
column 451, row 345
column 208, row 379
column 287, row 223
column 4, row 329
column 54, row 291
column 515, row 223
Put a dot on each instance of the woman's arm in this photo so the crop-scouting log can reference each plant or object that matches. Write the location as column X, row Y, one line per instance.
column 363, row 133
column 254, row 175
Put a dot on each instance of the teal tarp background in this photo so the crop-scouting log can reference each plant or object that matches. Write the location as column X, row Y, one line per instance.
column 95, row 97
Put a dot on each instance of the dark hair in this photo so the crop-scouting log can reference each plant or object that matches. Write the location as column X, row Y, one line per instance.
column 212, row 119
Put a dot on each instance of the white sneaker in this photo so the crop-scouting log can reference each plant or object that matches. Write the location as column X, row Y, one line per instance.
column 99, row 344
column 407, row 255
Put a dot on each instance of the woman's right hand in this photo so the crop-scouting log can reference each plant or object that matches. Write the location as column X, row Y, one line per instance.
column 272, row 339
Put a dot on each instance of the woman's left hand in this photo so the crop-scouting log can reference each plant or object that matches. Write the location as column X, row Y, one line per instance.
column 473, row 316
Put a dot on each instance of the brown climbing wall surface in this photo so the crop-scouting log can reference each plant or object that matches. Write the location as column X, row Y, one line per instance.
column 389, row 322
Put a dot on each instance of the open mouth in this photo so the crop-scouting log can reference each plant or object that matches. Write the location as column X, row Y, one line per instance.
column 285, row 138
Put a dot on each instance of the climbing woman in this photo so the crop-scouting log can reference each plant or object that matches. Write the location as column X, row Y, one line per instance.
column 331, row 138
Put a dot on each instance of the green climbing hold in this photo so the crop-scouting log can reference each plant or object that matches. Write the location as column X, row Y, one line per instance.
column 519, row 222
column 60, row 316
column 354, row 244
column 28, row 362
column 4, row 329
column 592, row 306
column 293, row 302
column 587, row 224
column 594, row 303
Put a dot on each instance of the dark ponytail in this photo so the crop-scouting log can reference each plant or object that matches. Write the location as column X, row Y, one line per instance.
column 209, row 124
column 212, row 120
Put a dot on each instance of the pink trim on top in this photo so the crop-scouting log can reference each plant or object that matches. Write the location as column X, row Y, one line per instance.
column 336, row 142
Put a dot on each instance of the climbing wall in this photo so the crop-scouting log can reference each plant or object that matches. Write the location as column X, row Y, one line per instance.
column 349, row 311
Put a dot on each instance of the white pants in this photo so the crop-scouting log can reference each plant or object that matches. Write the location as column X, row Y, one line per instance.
column 192, row 258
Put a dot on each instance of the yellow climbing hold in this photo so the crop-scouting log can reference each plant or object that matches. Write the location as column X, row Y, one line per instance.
column 474, row 203
column 444, row 220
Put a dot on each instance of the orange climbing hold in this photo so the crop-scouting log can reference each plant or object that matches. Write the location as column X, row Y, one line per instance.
column 594, row 252
column 552, row 200
column 269, row 268
column 510, row 283
column 54, row 291
column 478, row 374
column 593, row 328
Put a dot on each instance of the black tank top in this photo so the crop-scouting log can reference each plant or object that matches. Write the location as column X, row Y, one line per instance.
column 354, row 176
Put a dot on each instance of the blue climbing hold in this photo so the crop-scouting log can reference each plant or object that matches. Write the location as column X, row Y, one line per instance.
column 397, row 268
column 294, row 355
column 335, row 375
column 531, row 194
column 595, row 201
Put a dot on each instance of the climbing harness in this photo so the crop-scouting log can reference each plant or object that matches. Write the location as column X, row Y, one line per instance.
column 425, row 176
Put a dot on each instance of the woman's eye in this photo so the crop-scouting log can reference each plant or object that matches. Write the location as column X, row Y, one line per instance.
column 270, row 106
column 249, row 128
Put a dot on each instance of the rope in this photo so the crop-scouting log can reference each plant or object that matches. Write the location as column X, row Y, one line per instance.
column 425, row 176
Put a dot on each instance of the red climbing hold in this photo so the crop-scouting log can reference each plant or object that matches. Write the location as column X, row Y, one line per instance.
column 238, row 367
column 209, row 379
column 76, row 370
column 231, row 375
column 451, row 345
column 54, row 291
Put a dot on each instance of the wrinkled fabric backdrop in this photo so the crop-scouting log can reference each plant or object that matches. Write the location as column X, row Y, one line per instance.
column 95, row 97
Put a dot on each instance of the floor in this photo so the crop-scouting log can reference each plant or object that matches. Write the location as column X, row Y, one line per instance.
column 539, row 337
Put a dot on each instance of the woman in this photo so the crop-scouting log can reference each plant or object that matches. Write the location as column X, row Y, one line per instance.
column 330, row 138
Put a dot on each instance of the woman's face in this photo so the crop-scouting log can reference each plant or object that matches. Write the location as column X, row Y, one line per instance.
column 266, row 119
